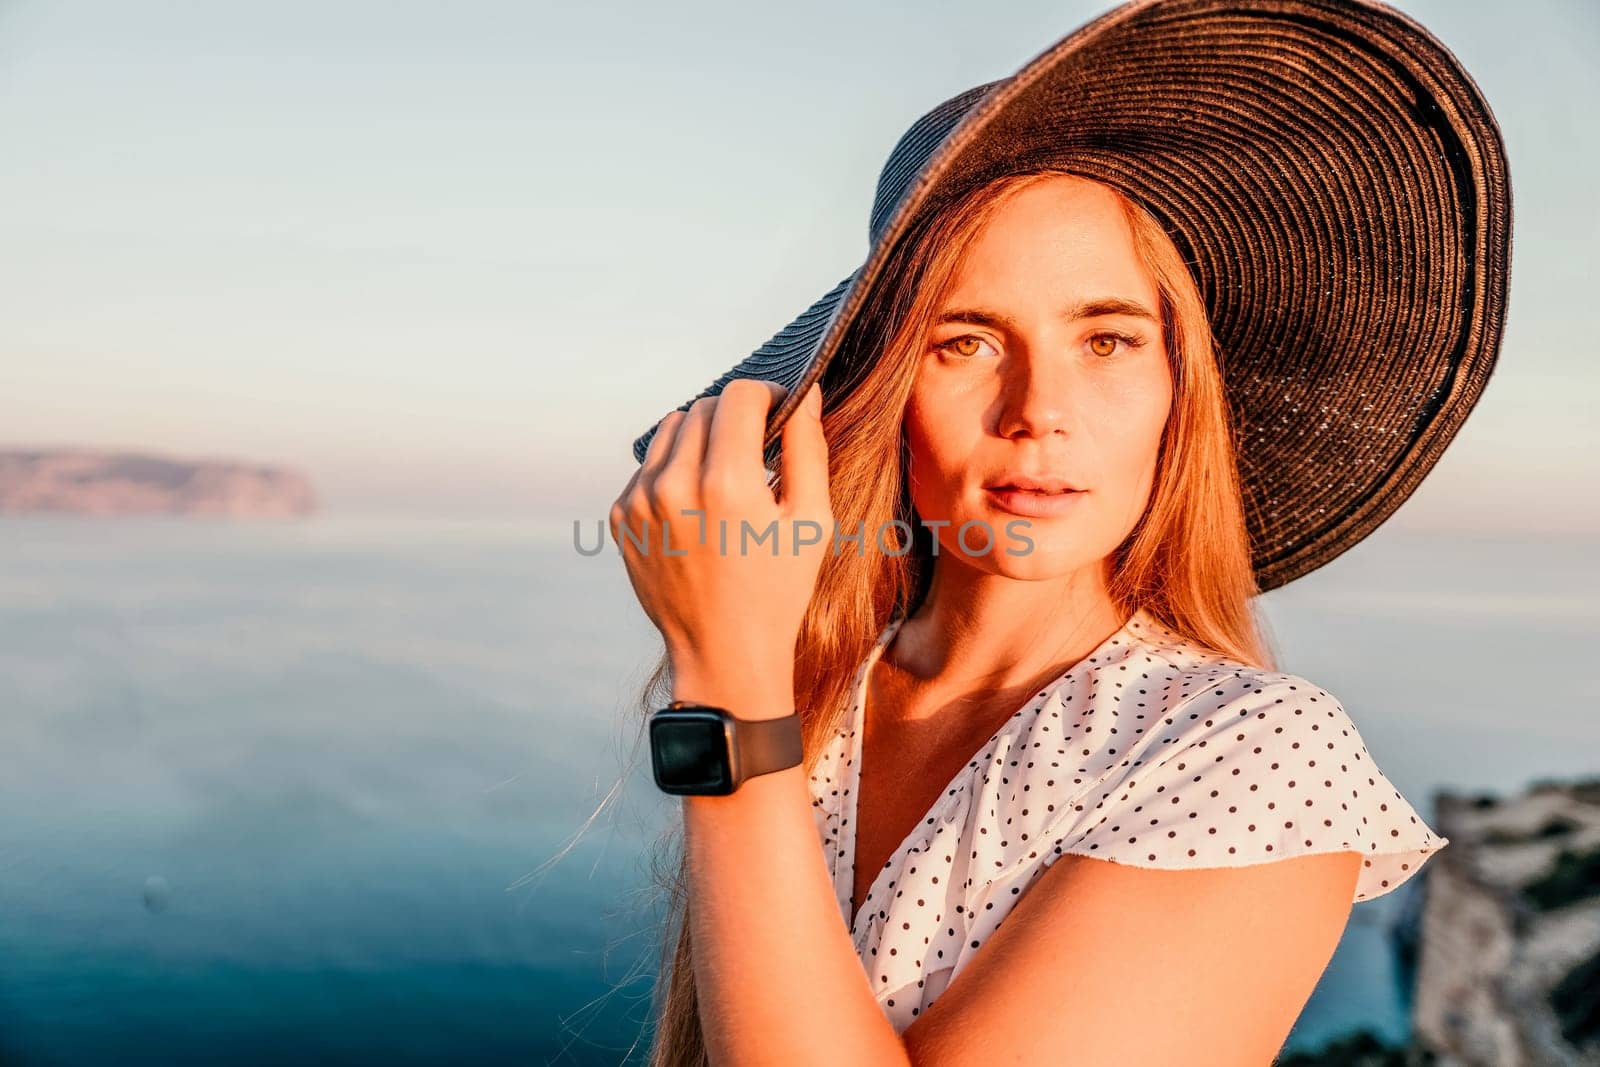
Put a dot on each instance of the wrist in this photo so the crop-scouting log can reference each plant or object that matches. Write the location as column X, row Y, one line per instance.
column 748, row 694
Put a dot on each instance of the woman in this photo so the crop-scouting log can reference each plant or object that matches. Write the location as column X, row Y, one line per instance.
column 1069, row 810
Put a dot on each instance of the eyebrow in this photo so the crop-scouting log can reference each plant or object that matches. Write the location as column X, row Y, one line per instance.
column 1083, row 309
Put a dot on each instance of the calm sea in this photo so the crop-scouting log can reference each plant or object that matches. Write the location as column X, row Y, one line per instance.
column 281, row 791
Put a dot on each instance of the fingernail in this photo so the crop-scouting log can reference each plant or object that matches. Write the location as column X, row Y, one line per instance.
column 814, row 399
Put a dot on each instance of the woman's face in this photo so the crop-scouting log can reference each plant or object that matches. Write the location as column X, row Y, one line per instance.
column 1046, row 361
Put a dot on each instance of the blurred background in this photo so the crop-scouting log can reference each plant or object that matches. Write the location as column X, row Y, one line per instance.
column 320, row 326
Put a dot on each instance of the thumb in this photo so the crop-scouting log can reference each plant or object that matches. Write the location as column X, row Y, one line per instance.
column 804, row 460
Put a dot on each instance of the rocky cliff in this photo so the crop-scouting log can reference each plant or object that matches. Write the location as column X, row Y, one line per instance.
column 1508, row 936
column 96, row 482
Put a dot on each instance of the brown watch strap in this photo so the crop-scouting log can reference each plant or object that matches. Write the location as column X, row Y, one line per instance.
column 767, row 745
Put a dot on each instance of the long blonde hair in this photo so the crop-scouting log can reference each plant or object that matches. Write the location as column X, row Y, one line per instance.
column 1187, row 561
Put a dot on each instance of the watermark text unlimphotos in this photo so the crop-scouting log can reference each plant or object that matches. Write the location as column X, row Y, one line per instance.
column 975, row 536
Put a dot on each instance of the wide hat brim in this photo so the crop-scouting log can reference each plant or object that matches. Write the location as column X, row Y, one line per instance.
column 1335, row 181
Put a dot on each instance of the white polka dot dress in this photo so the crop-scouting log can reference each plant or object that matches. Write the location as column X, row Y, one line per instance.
column 1150, row 751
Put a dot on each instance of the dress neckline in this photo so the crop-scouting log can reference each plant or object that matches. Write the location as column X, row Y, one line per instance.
column 845, row 871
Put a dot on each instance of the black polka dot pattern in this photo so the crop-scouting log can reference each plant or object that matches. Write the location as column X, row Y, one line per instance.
column 1150, row 752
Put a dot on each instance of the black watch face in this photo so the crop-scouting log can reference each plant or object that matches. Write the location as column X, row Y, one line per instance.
column 689, row 752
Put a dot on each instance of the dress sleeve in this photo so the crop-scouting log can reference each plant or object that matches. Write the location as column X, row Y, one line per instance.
column 1267, row 766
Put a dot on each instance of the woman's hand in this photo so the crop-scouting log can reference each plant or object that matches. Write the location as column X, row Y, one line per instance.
column 729, row 587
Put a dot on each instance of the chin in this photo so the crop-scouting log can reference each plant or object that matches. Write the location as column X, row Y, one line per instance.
column 1043, row 559
column 1034, row 549
column 1037, row 566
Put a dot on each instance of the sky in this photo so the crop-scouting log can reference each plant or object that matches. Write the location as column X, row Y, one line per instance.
column 451, row 258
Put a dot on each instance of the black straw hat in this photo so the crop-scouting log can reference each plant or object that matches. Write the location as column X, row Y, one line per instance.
column 1335, row 181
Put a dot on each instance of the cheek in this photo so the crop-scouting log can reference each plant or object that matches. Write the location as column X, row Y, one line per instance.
column 940, row 434
column 1134, row 435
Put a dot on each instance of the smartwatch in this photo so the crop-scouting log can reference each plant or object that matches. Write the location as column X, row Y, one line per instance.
column 700, row 750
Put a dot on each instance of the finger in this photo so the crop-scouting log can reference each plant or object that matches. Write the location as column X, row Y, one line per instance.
column 655, row 455
column 805, row 458
column 660, row 449
column 740, row 426
column 688, row 450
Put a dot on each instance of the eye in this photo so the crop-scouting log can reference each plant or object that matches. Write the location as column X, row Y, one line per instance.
column 963, row 347
column 1111, row 337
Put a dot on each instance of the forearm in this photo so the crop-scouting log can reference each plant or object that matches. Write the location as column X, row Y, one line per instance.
column 777, row 977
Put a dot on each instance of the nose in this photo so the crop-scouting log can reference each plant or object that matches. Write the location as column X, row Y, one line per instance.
column 1036, row 396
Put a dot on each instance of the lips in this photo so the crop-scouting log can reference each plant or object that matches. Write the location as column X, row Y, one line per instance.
column 1026, row 484
column 1034, row 503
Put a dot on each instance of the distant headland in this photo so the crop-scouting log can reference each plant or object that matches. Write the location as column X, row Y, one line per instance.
column 89, row 481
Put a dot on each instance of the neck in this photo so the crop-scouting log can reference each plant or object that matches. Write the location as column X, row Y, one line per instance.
column 976, row 630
